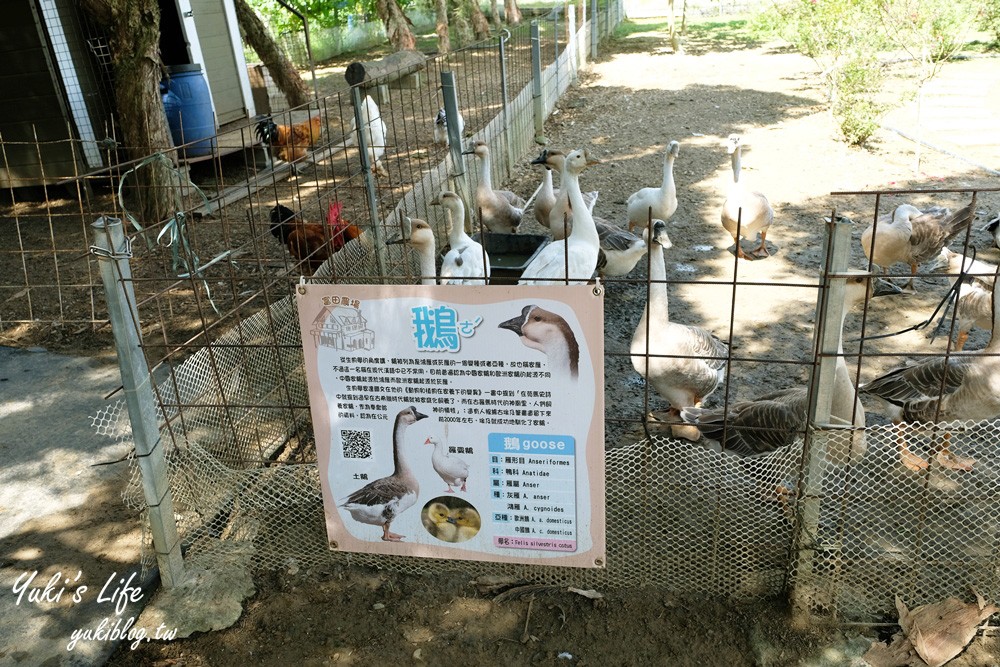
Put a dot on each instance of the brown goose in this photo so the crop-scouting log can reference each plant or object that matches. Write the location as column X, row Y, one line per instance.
column 501, row 210
column 913, row 236
column 378, row 503
column 552, row 207
column 963, row 386
column 774, row 420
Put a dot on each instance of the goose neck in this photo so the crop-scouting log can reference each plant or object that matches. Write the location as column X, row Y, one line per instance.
column 428, row 269
column 583, row 222
column 658, row 300
column 736, row 165
column 456, row 217
column 485, row 178
column 994, row 343
column 400, row 468
column 668, row 171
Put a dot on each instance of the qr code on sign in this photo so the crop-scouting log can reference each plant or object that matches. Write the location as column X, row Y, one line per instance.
column 356, row 444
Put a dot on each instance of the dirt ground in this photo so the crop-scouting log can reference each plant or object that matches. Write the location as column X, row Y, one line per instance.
column 626, row 108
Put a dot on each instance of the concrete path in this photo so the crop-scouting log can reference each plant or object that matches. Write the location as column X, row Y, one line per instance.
column 60, row 515
column 960, row 112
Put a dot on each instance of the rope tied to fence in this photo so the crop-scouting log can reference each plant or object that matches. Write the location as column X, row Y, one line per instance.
column 174, row 233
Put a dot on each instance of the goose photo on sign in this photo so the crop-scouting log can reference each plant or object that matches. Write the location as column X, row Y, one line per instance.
column 462, row 422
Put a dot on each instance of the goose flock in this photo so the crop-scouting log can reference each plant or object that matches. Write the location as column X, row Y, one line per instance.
column 685, row 363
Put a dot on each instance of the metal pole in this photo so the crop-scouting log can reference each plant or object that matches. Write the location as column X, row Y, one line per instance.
column 366, row 173
column 571, row 46
column 829, row 315
column 113, row 251
column 504, row 36
column 536, row 83
column 594, row 22
column 459, row 179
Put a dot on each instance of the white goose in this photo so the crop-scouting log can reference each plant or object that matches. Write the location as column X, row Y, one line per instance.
column 962, row 386
column 580, row 249
column 697, row 364
column 374, row 131
column 556, row 213
column 975, row 294
column 663, row 200
column 379, row 502
column 501, row 210
column 441, row 127
column 748, row 211
column 620, row 249
column 420, row 237
column 774, row 420
column 453, row 470
column 913, row 236
column 466, row 262
column 549, row 333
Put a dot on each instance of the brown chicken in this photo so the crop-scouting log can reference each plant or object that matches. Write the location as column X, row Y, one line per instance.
column 290, row 142
column 309, row 242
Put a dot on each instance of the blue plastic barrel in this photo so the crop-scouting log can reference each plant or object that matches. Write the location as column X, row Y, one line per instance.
column 189, row 110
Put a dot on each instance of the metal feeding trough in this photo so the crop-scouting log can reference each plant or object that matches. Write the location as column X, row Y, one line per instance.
column 510, row 254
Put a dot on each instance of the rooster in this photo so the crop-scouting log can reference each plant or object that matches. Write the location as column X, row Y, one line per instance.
column 307, row 241
column 290, row 142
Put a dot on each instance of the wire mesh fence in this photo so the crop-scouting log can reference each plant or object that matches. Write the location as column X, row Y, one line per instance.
column 831, row 512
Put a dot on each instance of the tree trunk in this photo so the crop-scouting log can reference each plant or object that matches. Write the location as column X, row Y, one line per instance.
column 284, row 73
column 133, row 28
column 512, row 11
column 459, row 21
column 480, row 26
column 494, row 14
column 441, row 27
column 398, row 27
column 675, row 37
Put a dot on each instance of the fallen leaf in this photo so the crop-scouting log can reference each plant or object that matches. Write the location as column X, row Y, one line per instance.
column 942, row 630
column 593, row 595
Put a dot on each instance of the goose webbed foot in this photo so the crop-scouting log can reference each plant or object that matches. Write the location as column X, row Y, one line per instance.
column 952, row 461
column 389, row 536
column 909, row 459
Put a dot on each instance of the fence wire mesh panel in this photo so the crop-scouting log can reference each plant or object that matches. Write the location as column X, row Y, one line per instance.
column 832, row 512
column 911, row 512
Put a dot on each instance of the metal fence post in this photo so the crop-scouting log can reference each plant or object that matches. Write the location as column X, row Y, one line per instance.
column 508, row 149
column 571, row 44
column 594, row 23
column 459, row 179
column 366, row 174
column 829, row 314
column 113, row 251
column 536, row 83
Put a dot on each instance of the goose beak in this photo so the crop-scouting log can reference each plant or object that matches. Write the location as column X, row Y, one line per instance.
column 427, row 441
column 515, row 323
column 882, row 287
column 542, row 158
column 419, row 415
column 437, row 198
column 451, row 520
column 396, row 241
column 471, row 151
column 591, row 161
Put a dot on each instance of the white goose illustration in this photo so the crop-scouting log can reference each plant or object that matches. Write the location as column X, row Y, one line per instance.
column 453, row 470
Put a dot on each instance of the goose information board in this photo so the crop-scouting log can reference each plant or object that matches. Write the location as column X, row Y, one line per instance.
column 459, row 422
